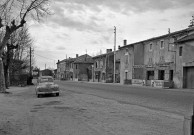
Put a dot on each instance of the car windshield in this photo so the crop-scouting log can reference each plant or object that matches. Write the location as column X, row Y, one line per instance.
column 42, row 80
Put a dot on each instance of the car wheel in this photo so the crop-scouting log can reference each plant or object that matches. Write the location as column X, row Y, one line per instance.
column 38, row 95
column 57, row 94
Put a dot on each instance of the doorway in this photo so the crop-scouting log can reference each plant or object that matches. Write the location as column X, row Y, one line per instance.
column 160, row 74
column 188, row 77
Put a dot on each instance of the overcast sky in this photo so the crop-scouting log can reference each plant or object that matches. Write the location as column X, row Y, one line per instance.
column 78, row 26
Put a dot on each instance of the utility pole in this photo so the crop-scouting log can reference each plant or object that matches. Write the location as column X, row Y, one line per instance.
column 30, row 61
column 114, row 55
column 30, row 66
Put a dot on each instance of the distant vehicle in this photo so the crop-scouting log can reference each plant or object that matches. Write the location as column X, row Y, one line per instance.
column 46, row 85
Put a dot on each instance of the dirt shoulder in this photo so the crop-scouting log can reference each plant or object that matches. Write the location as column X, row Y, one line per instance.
column 22, row 113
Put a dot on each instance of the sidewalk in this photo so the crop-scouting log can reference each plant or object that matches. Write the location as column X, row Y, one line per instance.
column 17, row 89
column 145, row 87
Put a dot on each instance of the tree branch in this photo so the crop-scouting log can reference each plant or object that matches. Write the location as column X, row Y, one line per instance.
column 1, row 24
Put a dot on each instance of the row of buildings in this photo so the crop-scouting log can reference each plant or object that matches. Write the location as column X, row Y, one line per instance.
column 164, row 61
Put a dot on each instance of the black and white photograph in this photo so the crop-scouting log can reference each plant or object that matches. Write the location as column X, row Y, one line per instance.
column 96, row 67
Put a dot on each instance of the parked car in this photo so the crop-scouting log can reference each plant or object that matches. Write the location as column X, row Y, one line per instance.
column 46, row 85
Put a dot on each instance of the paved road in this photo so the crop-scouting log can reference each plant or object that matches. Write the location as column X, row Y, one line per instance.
column 174, row 101
column 92, row 109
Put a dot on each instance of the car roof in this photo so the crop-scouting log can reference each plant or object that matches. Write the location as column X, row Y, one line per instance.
column 45, row 77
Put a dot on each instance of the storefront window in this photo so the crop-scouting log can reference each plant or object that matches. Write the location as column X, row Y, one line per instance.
column 150, row 75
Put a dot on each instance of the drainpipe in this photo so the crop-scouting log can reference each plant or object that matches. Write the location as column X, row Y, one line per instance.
column 114, row 55
column 93, row 73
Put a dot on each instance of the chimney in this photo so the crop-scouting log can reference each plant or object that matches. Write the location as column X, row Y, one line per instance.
column 77, row 55
column 125, row 42
column 168, row 30
column 108, row 50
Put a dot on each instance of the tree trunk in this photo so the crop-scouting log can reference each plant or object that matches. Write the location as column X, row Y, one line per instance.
column 6, row 67
column 2, row 77
column 6, row 74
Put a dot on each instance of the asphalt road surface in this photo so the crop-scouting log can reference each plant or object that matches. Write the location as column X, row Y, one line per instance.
column 176, row 101
column 94, row 109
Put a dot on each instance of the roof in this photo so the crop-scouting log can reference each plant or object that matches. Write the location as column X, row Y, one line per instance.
column 186, row 38
column 46, row 77
column 84, row 59
column 71, row 60
column 102, row 55
column 162, row 36
column 66, row 60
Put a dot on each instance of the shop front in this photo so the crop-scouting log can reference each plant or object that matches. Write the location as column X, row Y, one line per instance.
column 160, row 75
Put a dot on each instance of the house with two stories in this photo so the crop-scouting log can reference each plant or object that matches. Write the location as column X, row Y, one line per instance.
column 156, row 61
column 61, row 67
column 185, row 61
column 165, row 61
column 81, row 68
column 103, row 68
column 77, row 69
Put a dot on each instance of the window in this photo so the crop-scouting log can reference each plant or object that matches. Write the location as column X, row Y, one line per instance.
column 101, row 63
column 96, row 64
column 180, row 50
column 126, row 51
column 150, row 47
column 150, row 60
column 71, row 65
column 150, row 75
column 96, row 76
column 126, row 59
column 42, row 80
column 161, row 58
column 76, row 66
column 126, row 75
column 103, row 76
column 160, row 74
column 171, row 75
column 161, row 44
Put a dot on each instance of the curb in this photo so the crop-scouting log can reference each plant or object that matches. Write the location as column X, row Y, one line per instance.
column 145, row 87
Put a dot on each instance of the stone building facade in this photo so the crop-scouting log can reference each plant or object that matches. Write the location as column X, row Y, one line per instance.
column 81, row 68
column 156, row 61
column 184, row 76
column 103, row 68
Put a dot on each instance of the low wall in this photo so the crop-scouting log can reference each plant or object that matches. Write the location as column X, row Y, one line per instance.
column 138, row 82
column 161, row 84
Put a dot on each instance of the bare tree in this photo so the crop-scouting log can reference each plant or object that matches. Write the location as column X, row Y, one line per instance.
column 24, row 41
column 17, row 50
column 13, row 15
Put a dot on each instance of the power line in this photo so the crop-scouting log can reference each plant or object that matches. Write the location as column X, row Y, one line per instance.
column 43, row 56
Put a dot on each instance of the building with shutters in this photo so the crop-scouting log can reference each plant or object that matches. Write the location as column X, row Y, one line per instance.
column 164, row 61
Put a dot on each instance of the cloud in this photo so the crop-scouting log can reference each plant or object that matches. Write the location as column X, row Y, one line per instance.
column 77, row 25
column 91, row 15
column 78, row 21
column 61, row 35
column 60, row 48
column 128, row 5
